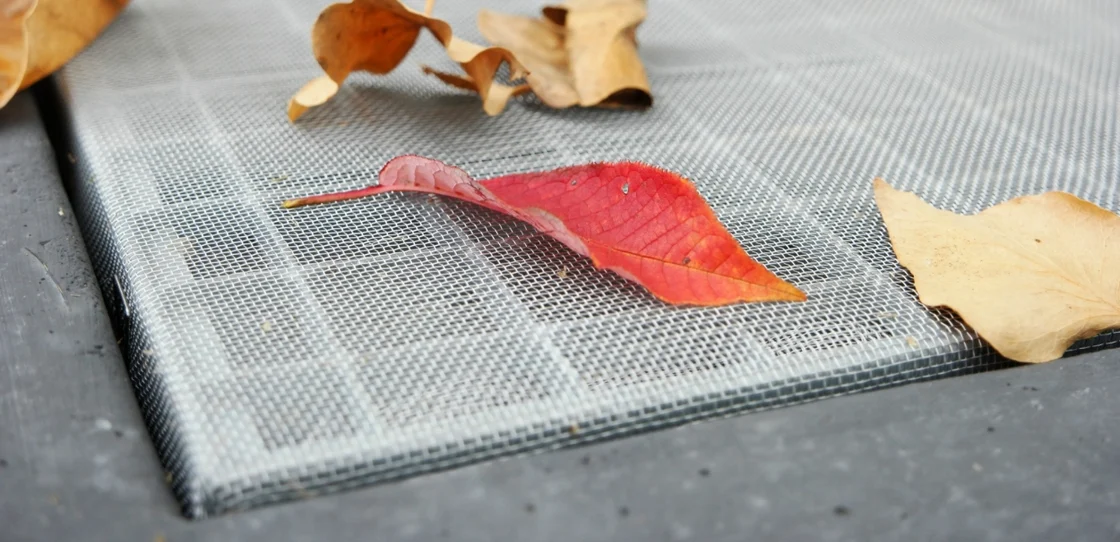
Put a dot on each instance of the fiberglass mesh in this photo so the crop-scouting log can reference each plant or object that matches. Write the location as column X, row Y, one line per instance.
column 284, row 353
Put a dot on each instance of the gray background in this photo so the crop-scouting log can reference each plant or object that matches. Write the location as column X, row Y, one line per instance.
column 1028, row 453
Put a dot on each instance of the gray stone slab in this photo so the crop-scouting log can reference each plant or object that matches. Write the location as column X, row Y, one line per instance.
column 1028, row 453
column 70, row 429
column 20, row 133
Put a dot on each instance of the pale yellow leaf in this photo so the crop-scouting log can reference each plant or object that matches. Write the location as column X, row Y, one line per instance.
column 583, row 52
column 539, row 45
column 1031, row 275
column 603, row 51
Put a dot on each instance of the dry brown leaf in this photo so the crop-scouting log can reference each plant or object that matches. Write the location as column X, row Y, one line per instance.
column 497, row 98
column 539, row 45
column 38, row 36
column 1031, row 275
column 13, row 45
column 316, row 92
column 376, row 35
column 583, row 52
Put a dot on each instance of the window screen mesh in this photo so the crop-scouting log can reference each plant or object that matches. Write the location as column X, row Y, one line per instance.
column 284, row 353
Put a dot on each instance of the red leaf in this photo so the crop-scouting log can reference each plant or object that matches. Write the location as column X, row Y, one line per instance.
column 646, row 224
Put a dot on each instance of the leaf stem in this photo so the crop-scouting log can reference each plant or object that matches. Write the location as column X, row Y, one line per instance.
column 336, row 196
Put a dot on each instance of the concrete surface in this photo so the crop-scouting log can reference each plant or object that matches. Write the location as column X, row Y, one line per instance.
column 1029, row 453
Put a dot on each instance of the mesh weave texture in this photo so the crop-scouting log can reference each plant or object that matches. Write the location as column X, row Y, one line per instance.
column 283, row 353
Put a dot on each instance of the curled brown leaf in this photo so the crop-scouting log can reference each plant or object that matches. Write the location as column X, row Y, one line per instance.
column 39, row 36
column 376, row 35
column 497, row 94
column 13, row 46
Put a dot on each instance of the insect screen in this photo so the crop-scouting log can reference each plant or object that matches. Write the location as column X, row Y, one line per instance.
column 285, row 353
